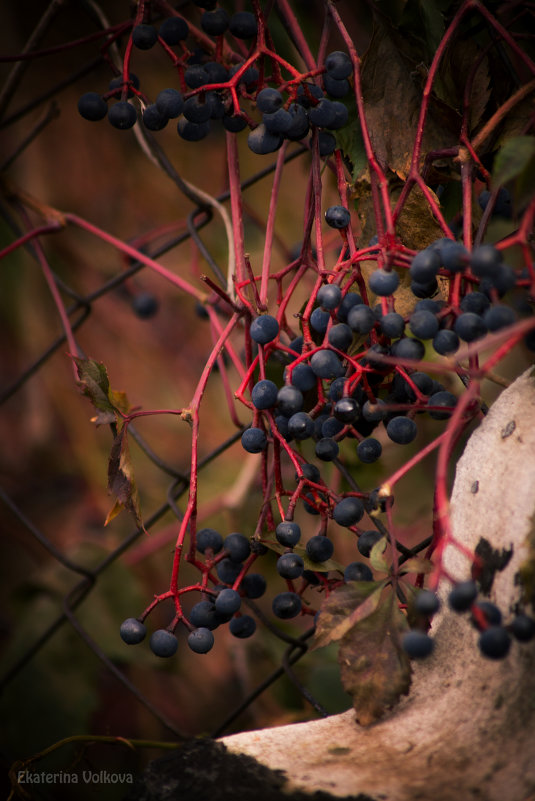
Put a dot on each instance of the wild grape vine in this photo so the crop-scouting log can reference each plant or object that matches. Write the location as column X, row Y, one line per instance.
column 397, row 303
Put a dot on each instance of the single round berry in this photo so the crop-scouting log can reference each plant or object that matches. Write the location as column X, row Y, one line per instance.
column 425, row 266
column 208, row 539
column 340, row 336
column 253, row 585
column 347, row 303
column 301, row 425
column 174, row 30
column 153, row 119
column 228, row 570
column 346, row 410
column 319, row 548
column 197, row 109
column 216, row 22
column 132, row 631
column 331, row 427
column 498, row 317
column 454, row 256
column 192, row 131
column 201, row 640
column 303, row 378
column 327, row 449
column 442, row 398
column 485, row 260
column 242, row 627
column 289, row 400
column 417, row 644
column 288, row 533
column 243, row 25
column 286, row 605
column 401, row 430
column 319, row 320
column 254, row 440
column 170, row 103
column 336, row 88
column 234, row 124
column 470, row 326
column 326, row 364
column 426, row 603
column 384, row 283
column 264, row 394
column 196, row 76
column 446, row 342
column 338, row 65
column 348, row 511
column 337, row 217
column 163, row 643
column 358, row 571
column 145, row 305
column 367, row 540
column 476, row 302
column 484, row 614
column 144, row 36
column 269, row 100
column 203, row 615
column 237, row 546
column 329, row 296
column 423, row 324
column 264, row 329
column 462, row 596
column 372, row 412
column 261, row 141
column 369, row 450
column 523, row 627
column 91, row 106
column 279, row 122
column 290, row 566
column 300, row 124
column 361, row 319
column 122, row 115
column 494, row 642
column 408, row 348
column 228, row 601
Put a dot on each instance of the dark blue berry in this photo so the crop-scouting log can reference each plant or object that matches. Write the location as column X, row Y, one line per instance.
column 209, row 539
column 326, row 143
column 261, row 141
column 242, row 627
column 475, row 302
column 384, row 283
column 303, row 378
column 329, row 296
column 485, row 260
column 347, row 303
column 319, row 548
column 289, row 400
column 132, row 631
column 253, row 585
column 442, row 398
column 228, row 570
column 254, row 440
column 300, row 124
column 264, row 329
column 337, row 217
column 426, row 603
column 348, row 511
column 269, row 100
column 425, row 266
column 163, row 643
column 369, row 450
column 201, row 640
column 490, row 612
column 446, row 342
column 288, row 533
column 358, row 571
column 264, row 394
column 401, row 430
column 327, row 449
column 228, row 601
column 408, row 348
column 237, row 546
column 279, row 122
column 470, row 326
column 301, row 425
column 192, row 131
column 286, row 605
column 92, row 106
column 174, row 30
column 523, row 627
column 144, row 36
column 197, row 109
column 153, row 119
column 338, row 65
column 494, row 642
column 340, row 336
column 361, row 319
column 170, row 103
column 122, row 115
column 243, row 25
column 417, row 644
column 423, row 324
column 331, row 427
column 319, row 320
column 392, row 325
column 203, row 615
column 215, row 23
column 463, row 595
column 234, row 124
column 498, row 317
column 326, row 364
column 336, row 88
column 372, row 412
column 290, row 566
column 145, row 305
column 366, row 541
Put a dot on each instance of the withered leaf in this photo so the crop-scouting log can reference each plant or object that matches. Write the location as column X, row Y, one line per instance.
column 95, row 384
column 121, row 481
column 375, row 670
column 345, row 607
column 417, row 565
column 377, row 556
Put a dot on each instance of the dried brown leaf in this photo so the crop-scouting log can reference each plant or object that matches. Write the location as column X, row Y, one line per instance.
column 121, row 481
column 345, row 607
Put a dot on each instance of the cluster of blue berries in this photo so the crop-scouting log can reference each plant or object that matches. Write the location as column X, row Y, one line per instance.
column 307, row 105
column 495, row 638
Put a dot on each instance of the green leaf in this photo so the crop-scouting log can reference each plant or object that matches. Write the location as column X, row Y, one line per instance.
column 121, row 481
column 377, row 558
column 513, row 158
column 375, row 669
column 93, row 379
column 274, row 545
column 345, row 607
column 417, row 564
